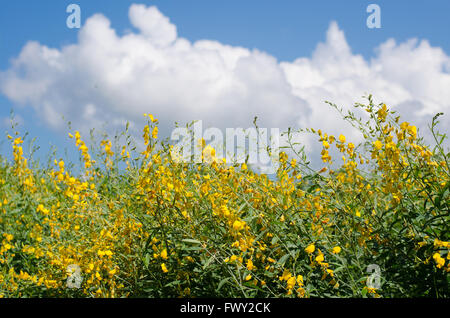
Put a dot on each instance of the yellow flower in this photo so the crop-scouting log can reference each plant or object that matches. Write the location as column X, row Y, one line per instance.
column 319, row 258
column 291, row 282
column 342, row 138
column 404, row 125
column 164, row 268
column 238, row 225
column 440, row 261
column 250, row 265
column 155, row 133
column 286, row 275
column 378, row 144
column 382, row 113
column 351, row 146
column 310, row 249
column 300, row 280
column 413, row 131
column 152, row 118
column 336, row 250
column 164, row 254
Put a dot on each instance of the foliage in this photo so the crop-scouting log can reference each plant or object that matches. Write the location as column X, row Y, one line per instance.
column 144, row 225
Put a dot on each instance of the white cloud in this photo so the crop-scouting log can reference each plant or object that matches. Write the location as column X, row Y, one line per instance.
column 109, row 78
column 411, row 77
column 154, row 25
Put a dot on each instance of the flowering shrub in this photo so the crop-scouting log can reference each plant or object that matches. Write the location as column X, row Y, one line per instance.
column 136, row 224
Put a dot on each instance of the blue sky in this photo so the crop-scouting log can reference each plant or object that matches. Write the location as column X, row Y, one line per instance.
column 286, row 30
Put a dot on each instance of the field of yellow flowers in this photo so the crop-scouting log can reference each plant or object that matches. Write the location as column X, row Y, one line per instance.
column 124, row 223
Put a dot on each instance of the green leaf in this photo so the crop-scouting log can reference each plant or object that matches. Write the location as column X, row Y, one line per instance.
column 147, row 259
column 222, row 282
column 208, row 262
column 364, row 292
column 274, row 240
column 192, row 241
column 283, row 259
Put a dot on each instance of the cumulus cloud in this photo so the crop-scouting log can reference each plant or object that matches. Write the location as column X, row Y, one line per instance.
column 411, row 77
column 107, row 78
column 153, row 24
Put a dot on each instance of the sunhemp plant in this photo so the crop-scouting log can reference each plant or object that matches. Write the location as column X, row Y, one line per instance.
column 130, row 223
